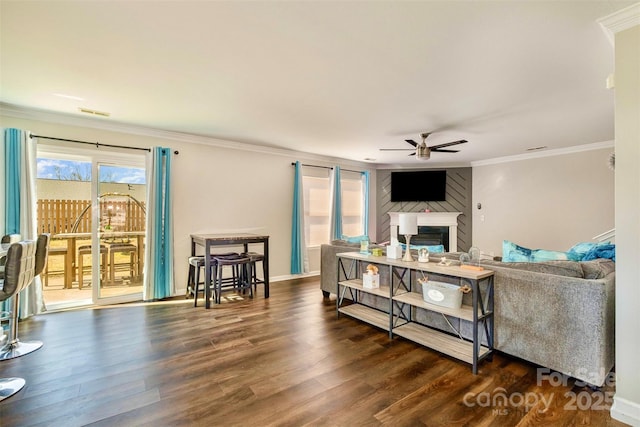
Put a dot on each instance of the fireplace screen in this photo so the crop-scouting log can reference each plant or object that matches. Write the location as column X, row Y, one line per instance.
column 429, row 235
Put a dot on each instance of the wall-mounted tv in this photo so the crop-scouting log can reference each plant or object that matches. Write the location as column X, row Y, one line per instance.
column 419, row 186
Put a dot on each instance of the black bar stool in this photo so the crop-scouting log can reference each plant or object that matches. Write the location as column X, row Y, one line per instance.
column 241, row 275
column 196, row 263
column 256, row 257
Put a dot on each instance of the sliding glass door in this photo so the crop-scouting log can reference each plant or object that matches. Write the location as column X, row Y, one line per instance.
column 93, row 204
column 121, row 231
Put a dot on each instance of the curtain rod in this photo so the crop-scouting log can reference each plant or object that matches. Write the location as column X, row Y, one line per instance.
column 324, row 167
column 96, row 144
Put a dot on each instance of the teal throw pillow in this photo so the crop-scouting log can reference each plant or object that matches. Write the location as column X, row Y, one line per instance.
column 516, row 253
column 433, row 249
column 355, row 239
column 540, row 255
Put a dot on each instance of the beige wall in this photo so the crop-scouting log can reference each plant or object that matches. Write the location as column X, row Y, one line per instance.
column 216, row 189
column 626, row 405
column 546, row 202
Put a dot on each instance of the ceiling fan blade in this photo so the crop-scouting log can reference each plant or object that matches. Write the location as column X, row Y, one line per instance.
column 448, row 144
column 396, row 149
column 440, row 150
column 412, row 142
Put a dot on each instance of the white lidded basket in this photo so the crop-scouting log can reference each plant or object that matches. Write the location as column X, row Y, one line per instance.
column 441, row 293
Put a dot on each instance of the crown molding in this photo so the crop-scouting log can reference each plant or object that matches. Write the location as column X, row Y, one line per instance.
column 25, row 113
column 105, row 124
column 546, row 153
column 620, row 20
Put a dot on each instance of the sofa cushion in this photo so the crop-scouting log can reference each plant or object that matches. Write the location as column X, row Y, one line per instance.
column 516, row 253
column 558, row 268
column 597, row 268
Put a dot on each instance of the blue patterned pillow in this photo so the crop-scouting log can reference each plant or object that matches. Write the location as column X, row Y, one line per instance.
column 515, row 253
column 601, row 251
column 579, row 250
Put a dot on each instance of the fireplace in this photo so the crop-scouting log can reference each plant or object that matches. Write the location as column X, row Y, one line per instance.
column 434, row 228
column 430, row 235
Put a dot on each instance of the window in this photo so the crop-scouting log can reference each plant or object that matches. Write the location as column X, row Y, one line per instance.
column 352, row 201
column 317, row 205
column 316, row 184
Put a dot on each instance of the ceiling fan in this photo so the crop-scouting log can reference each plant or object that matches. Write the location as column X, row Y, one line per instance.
column 422, row 151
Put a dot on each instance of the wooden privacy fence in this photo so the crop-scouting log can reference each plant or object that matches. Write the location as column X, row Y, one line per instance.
column 59, row 216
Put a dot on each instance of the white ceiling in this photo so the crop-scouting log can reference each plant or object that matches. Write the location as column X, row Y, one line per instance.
column 333, row 78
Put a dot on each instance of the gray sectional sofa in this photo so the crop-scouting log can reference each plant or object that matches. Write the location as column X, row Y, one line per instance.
column 556, row 314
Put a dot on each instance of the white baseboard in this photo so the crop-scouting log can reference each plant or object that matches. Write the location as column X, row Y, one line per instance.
column 626, row 411
column 293, row 276
column 182, row 291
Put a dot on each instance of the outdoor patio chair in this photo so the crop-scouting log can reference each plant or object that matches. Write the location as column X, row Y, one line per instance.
column 104, row 266
column 130, row 266
column 56, row 251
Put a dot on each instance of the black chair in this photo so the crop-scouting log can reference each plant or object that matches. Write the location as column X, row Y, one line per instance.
column 36, row 260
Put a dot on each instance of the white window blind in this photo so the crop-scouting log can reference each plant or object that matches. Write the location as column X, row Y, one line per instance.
column 352, row 200
column 317, row 203
column 317, row 196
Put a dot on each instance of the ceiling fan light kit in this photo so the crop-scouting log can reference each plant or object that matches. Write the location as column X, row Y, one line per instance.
column 423, row 152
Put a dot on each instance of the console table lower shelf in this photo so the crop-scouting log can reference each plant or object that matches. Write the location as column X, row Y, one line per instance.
column 366, row 314
column 423, row 335
column 447, row 344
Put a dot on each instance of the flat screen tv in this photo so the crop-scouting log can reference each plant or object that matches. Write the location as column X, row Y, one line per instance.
column 419, row 186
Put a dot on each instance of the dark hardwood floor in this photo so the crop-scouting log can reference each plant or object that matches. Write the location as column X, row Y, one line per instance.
column 286, row 361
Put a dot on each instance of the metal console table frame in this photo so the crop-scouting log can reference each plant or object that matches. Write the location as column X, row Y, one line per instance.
column 403, row 297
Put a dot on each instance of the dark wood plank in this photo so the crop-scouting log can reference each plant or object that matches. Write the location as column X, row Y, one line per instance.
column 288, row 360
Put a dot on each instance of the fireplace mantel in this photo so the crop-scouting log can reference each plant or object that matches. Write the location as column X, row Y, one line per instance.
column 433, row 219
